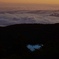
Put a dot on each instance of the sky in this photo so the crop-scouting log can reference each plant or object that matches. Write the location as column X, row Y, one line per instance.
column 29, row 4
column 32, row 1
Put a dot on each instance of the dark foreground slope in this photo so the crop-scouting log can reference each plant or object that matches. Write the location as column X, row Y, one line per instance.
column 15, row 38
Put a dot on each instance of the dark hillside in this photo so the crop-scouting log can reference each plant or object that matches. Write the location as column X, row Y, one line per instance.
column 15, row 38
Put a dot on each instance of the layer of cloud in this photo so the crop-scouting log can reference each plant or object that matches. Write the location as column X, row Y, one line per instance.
column 21, row 18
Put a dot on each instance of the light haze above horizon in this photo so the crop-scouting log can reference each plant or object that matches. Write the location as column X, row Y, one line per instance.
column 30, row 4
column 31, row 1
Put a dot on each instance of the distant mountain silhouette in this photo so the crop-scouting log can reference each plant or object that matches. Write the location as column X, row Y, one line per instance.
column 15, row 38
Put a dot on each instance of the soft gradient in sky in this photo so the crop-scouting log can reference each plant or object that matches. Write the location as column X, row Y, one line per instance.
column 32, row 1
column 29, row 4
